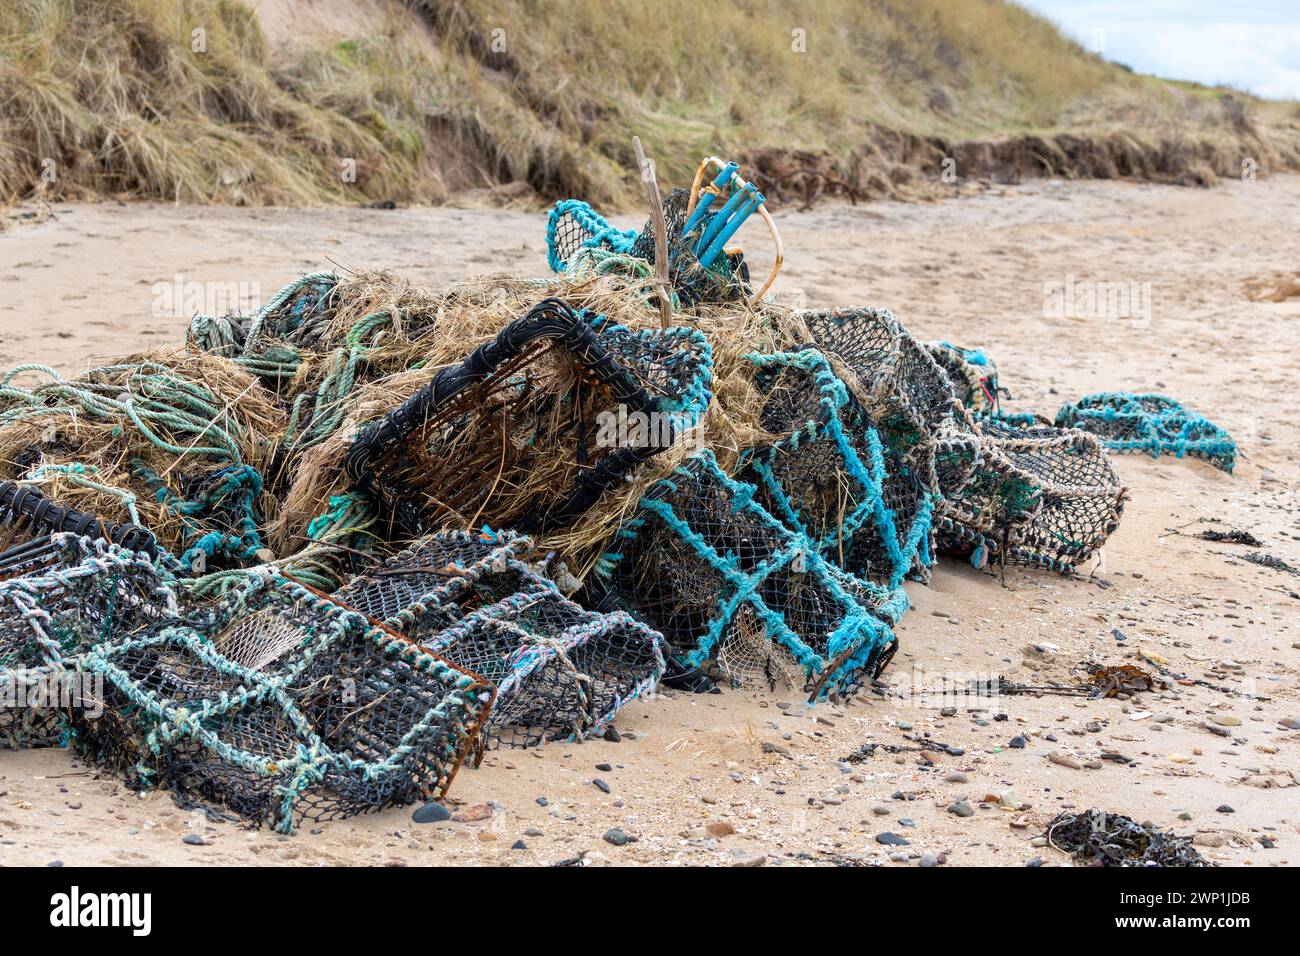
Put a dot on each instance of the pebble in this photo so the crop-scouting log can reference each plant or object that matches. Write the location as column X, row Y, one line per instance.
column 431, row 812
column 957, row 777
column 720, row 828
column 892, row 839
column 962, row 809
column 1035, row 862
column 740, row 857
column 1016, row 743
column 881, row 811
column 929, row 859
column 615, row 837
column 474, row 814
column 604, row 767
column 601, row 785
column 193, row 839
column 1038, row 841
column 1064, row 760
column 1290, row 723
column 1226, row 720
column 1224, row 808
column 519, row 845
column 612, row 735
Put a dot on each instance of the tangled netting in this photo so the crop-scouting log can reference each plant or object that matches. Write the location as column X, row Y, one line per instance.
column 1040, row 496
column 1150, row 423
column 739, row 498
column 60, row 596
column 282, row 706
column 561, row 672
column 831, row 477
column 727, row 582
column 580, row 241
column 537, row 410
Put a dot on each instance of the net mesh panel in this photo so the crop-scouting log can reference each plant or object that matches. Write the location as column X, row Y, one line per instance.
column 700, row 549
column 317, row 714
column 573, row 225
column 831, row 477
column 973, row 374
column 59, row 596
column 1150, row 423
column 527, row 410
column 576, row 233
column 1041, row 496
column 561, row 671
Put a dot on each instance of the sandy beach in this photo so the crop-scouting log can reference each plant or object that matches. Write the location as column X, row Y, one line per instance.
column 743, row 778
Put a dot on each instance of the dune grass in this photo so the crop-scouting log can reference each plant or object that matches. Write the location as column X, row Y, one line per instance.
column 107, row 97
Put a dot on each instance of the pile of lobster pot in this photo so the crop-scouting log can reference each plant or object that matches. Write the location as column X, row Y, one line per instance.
column 313, row 562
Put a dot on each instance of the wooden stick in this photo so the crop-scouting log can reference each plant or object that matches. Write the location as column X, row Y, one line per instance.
column 647, row 172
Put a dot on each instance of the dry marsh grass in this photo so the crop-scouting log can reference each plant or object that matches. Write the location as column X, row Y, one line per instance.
column 431, row 97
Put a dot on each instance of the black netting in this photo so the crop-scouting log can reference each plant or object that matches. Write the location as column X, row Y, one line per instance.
column 532, row 409
column 561, row 671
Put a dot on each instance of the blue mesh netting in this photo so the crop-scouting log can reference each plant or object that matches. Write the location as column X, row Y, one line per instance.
column 1150, row 423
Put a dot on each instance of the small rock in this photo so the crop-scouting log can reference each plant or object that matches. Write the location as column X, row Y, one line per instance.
column 720, row 828
column 740, row 857
column 474, row 814
column 615, row 837
column 519, row 845
column 957, row 777
column 193, row 839
column 1065, row 760
column 601, row 785
column 881, row 811
column 431, row 812
column 962, row 809
column 1290, row 723
column 612, row 735
column 1226, row 720
column 1224, row 808
column 1017, row 743
column 892, row 839
column 929, row 859
column 604, row 767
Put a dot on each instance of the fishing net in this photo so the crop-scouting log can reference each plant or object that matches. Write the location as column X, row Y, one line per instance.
column 174, row 443
column 706, row 565
column 579, row 240
column 1152, row 423
column 904, row 390
column 1040, row 496
column 561, row 672
column 283, row 706
column 59, row 596
column 973, row 374
column 832, row 478
column 527, row 431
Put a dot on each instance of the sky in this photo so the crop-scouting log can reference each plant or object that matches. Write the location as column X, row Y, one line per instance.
column 1254, row 46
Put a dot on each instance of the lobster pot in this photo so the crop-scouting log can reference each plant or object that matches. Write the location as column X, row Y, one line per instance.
column 533, row 426
column 902, row 387
column 974, row 376
column 437, row 581
column 60, row 596
column 832, row 478
column 1041, row 497
column 561, row 672
column 578, row 239
column 1151, row 423
column 730, row 586
column 282, row 706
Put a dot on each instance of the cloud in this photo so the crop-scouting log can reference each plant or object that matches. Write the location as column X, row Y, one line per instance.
column 1256, row 49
